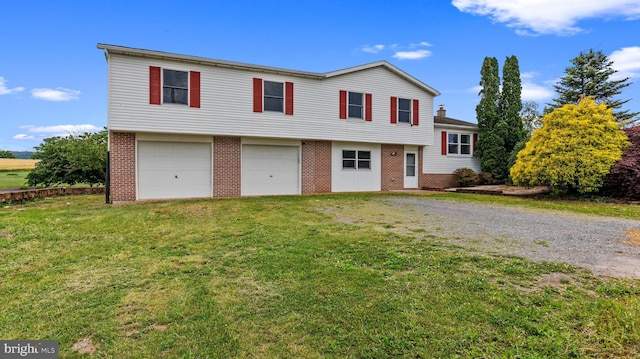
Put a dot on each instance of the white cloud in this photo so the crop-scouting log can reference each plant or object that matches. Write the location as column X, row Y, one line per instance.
column 542, row 17
column 41, row 132
column 403, row 52
column 627, row 62
column 23, row 137
column 4, row 90
column 57, row 94
column 373, row 49
column 412, row 55
column 535, row 92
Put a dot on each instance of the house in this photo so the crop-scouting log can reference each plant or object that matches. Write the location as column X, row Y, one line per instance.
column 454, row 144
column 184, row 127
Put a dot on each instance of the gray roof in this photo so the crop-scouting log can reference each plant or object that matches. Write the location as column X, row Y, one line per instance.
column 264, row 69
column 453, row 121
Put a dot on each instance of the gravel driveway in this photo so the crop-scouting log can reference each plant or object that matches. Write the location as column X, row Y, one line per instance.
column 592, row 242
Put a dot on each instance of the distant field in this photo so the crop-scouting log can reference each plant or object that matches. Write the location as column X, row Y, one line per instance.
column 10, row 164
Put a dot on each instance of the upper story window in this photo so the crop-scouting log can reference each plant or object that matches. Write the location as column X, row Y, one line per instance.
column 356, row 104
column 404, row 110
column 459, row 143
column 273, row 96
column 171, row 86
column 175, row 86
column 357, row 160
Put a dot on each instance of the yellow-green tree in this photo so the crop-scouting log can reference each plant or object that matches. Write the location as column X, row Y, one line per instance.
column 573, row 150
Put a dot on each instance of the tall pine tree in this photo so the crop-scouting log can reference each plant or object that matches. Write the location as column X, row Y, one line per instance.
column 498, row 115
column 510, row 102
column 590, row 76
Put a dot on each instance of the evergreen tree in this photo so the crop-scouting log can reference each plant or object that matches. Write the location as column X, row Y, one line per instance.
column 510, row 102
column 498, row 115
column 589, row 76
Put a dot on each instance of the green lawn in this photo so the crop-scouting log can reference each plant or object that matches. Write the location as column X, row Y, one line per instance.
column 13, row 179
column 281, row 277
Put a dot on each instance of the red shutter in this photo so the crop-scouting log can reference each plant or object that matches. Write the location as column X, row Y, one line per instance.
column 155, row 85
column 475, row 141
column 194, row 89
column 394, row 110
column 343, row 104
column 257, row 95
column 416, row 113
column 288, row 98
column 367, row 107
column 443, row 145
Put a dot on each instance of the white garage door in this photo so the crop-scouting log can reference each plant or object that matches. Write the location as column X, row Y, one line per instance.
column 270, row 170
column 174, row 170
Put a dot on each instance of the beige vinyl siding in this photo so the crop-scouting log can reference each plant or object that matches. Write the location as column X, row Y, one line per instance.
column 227, row 105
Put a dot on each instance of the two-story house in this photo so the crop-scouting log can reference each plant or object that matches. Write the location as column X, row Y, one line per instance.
column 185, row 126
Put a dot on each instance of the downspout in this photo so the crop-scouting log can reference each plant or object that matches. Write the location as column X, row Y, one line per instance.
column 107, row 180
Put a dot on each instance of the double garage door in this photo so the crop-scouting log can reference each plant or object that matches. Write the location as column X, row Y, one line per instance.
column 184, row 170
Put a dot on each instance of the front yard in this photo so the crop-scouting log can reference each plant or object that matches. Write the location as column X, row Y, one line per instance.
column 283, row 277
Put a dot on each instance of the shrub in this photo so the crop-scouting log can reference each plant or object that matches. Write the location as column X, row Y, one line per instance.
column 486, row 178
column 624, row 179
column 465, row 177
column 573, row 151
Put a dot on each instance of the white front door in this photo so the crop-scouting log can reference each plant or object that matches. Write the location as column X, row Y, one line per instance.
column 410, row 169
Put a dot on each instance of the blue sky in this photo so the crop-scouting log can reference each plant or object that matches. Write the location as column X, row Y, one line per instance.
column 53, row 80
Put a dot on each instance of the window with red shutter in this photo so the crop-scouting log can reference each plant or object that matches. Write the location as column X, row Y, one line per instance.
column 194, row 89
column 394, row 110
column 155, row 85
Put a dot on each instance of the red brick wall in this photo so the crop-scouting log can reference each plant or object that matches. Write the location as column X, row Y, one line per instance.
column 392, row 167
column 437, row 181
column 316, row 167
column 122, row 178
column 227, row 168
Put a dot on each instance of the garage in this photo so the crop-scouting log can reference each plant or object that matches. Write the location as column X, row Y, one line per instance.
column 270, row 170
column 174, row 170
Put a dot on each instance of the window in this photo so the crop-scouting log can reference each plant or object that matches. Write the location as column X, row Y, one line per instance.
column 355, row 104
column 459, row 143
column 352, row 159
column 273, row 96
column 411, row 165
column 175, row 86
column 404, row 110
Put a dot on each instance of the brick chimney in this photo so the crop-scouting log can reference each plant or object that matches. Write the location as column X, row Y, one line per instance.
column 442, row 112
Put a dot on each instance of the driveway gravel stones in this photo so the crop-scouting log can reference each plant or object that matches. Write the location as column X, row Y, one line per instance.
column 604, row 245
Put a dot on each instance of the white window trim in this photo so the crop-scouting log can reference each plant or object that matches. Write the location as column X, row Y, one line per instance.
column 410, row 122
column 459, row 144
column 264, row 95
column 362, row 107
column 356, row 160
column 162, row 86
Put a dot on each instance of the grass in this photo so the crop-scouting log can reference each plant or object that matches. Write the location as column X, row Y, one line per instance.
column 550, row 203
column 13, row 172
column 13, row 178
column 283, row 277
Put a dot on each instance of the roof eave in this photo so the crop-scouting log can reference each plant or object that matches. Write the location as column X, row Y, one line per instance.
column 205, row 61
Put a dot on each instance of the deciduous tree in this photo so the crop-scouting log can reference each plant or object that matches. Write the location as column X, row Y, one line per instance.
column 624, row 179
column 6, row 154
column 573, row 150
column 71, row 160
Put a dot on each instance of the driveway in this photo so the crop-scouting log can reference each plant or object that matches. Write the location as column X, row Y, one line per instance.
column 606, row 246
